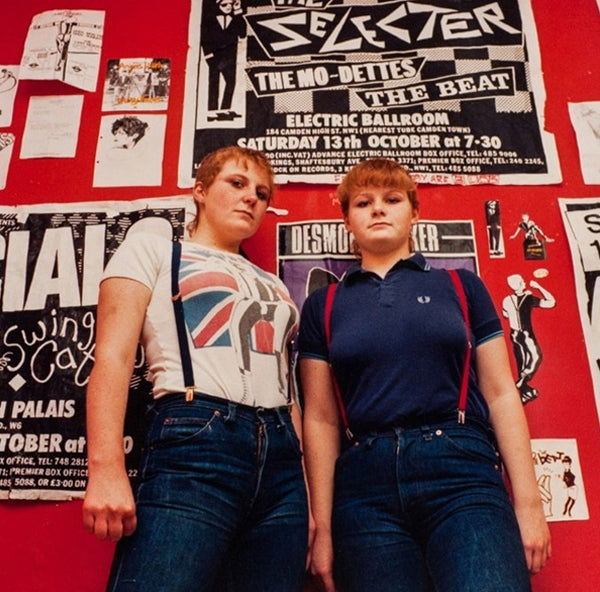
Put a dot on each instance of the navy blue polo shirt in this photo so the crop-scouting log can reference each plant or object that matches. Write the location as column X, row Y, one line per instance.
column 398, row 343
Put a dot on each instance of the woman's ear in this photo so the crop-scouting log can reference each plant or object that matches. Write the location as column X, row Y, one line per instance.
column 346, row 223
column 415, row 217
column 198, row 192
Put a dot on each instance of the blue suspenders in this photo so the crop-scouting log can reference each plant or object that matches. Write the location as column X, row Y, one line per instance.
column 184, row 348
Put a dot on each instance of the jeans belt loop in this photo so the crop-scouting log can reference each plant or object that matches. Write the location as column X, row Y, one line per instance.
column 427, row 432
column 231, row 410
column 281, row 419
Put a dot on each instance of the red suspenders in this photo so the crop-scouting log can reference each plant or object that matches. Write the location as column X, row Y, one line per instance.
column 462, row 397
column 336, row 389
column 464, row 387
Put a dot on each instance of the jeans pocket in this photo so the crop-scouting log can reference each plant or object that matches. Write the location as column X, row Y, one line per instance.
column 173, row 429
column 471, row 444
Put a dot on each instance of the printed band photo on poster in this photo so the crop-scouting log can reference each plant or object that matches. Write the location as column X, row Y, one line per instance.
column 453, row 90
column 51, row 261
column 137, row 84
column 581, row 219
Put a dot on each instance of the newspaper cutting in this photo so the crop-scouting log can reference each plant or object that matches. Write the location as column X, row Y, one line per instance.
column 64, row 45
column 52, row 126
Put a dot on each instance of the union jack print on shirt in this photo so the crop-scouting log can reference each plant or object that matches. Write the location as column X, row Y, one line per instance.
column 208, row 298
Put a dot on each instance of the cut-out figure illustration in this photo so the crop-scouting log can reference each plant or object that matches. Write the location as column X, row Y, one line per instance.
column 222, row 27
column 534, row 238
column 130, row 151
column 518, row 308
column 494, row 225
column 569, row 481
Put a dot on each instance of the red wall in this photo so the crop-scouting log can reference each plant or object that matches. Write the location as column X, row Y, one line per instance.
column 44, row 546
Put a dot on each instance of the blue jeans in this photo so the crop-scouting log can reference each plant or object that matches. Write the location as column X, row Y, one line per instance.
column 423, row 510
column 221, row 502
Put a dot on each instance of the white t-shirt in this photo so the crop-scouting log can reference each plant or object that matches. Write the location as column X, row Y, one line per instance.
column 239, row 320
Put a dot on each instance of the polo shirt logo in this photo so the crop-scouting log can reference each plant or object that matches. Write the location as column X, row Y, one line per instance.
column 424, row 299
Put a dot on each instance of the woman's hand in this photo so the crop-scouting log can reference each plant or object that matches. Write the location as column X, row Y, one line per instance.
column 321, row 565
column 512, row 434
column 109, row 506
column 535, row 535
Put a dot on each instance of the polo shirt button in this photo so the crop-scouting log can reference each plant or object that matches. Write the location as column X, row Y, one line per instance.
column 438, row 432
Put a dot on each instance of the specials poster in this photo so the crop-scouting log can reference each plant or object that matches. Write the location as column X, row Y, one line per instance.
column 51, row 262
column 581, row 218
column 453, row 90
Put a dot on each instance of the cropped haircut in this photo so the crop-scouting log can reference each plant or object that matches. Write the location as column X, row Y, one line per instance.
column 376, row 172
column 212, row 164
